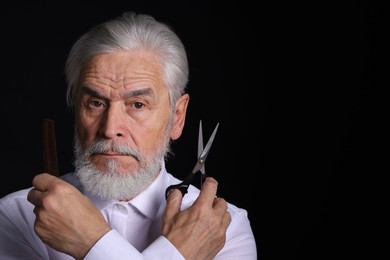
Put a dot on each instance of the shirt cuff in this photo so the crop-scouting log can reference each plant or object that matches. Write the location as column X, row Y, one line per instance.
column 112, row 246
column 162, row 248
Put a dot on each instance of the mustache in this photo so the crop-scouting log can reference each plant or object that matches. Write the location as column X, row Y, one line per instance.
column 106, row 146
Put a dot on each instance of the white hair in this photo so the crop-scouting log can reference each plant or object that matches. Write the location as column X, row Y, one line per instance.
column 128, row 32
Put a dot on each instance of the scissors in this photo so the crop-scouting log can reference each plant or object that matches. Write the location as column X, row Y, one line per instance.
column 199, row 166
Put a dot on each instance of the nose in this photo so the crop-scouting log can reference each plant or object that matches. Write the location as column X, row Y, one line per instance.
column 113, row 125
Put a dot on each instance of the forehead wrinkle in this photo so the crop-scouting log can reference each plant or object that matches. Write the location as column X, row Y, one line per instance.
column 139, row 92
column 128, row 94
column 115, row 80
column 92, row 92
column 121, row 71
column 91, row 74
column 105, row 70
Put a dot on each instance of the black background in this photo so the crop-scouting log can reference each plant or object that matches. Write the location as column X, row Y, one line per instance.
column 302, row 151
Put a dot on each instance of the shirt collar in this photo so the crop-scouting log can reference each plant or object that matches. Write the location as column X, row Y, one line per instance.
column 149, row 201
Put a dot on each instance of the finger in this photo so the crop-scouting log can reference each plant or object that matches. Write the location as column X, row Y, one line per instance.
column 227, row 218
column 174, row 200
column 36, row 210
column 43, row 181
column 220, row 205
column 35, row 196
column 208, row 192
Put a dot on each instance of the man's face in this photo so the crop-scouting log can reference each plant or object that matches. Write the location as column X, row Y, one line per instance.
column 123, row 99
column 124, row 123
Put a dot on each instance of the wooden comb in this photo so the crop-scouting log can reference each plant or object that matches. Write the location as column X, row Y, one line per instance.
column 50, row 162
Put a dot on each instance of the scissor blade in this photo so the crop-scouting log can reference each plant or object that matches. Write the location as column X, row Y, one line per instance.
column 209, row 143
column 203, row 156
column 200, row 145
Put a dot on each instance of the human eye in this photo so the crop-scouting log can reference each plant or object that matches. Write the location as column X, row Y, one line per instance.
column 96, row 104
column 137, row 105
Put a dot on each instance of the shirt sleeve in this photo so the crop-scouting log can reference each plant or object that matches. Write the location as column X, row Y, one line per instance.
column 240, row 243
column 17, row 238
column 162, row 247
column 112, row 246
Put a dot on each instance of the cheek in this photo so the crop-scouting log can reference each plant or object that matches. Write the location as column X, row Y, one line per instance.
column 86, row 131
column 151, row 139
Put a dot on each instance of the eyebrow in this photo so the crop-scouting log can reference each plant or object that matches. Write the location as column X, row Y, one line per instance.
column 133, row 93
column 139, row 92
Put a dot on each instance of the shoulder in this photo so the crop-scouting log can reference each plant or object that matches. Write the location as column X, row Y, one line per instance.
column 9, row 199
column 15, row 208
column 235, row 211
column 17, row 201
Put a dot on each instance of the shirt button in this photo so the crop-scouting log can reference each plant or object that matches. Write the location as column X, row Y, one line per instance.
column 122, row 209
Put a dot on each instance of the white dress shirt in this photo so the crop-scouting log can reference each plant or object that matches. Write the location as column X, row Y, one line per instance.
column 136, row 227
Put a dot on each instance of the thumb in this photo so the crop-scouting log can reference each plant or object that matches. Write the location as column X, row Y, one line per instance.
column 174, row 200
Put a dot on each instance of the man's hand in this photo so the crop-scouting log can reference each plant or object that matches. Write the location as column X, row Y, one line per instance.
column 198, row 232
column 66, row 220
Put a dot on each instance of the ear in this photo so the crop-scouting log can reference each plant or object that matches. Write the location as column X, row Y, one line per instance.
column 180, row 116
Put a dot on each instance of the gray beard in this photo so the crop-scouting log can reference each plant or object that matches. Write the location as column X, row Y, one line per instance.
column 111, row 183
